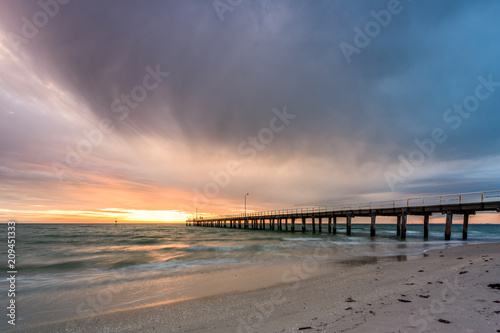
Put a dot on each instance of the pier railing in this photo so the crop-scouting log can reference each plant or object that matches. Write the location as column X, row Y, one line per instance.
column 438, row 200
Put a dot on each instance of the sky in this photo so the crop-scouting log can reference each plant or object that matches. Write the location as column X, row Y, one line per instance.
column 153, row 110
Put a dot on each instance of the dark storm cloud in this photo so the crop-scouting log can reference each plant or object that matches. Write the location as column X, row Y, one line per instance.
column 226, row 76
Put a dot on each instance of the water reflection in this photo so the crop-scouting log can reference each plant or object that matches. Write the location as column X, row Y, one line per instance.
column 359, row 261
column 371, row 260
column 403, row 257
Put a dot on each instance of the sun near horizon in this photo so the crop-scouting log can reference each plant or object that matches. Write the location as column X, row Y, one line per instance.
column 134, row 216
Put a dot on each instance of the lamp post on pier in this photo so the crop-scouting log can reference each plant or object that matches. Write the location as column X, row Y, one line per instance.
column 246, row 221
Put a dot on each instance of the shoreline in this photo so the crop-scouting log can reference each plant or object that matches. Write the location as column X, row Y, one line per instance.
column 356, row 296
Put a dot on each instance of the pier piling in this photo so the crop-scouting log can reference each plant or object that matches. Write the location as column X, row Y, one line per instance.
column 403, row 225
column 465, row 226
column 447, row 230
column 426, row 226
column 348, row 225
column 372, row 226
column 398, row 226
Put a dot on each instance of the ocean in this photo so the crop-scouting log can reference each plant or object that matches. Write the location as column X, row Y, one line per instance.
column 75, row 270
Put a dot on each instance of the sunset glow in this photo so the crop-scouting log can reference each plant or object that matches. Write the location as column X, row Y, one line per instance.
column 107, row 215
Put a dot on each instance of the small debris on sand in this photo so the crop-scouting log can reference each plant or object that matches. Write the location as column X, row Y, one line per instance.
column 443, row 321
column 494, row 286
column 404, row 300
column 350, row 300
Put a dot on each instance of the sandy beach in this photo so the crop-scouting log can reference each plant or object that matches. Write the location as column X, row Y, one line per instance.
column 449, row 290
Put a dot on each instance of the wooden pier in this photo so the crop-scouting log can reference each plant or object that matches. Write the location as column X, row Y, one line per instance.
column 456, row 204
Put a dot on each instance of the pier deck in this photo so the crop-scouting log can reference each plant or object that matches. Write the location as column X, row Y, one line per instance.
column 456, row 204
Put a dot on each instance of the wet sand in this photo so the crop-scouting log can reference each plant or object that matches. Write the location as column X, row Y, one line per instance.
column 446, row 290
